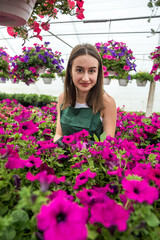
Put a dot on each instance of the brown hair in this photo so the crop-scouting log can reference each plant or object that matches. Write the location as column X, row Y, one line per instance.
column 95, row 95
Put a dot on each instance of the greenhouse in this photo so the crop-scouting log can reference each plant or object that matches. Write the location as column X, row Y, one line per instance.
column 79, row 120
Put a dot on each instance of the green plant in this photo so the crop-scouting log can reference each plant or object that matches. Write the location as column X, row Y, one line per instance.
column 4, row 75
column 62, row 74
column 142, row 76
column 47, row 75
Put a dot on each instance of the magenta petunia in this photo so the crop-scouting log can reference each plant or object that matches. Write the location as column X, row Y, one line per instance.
column 28, row 128
column 45, row 179
column 68, row 139
column 33, row 161
column 62, row 219
column 15, row 163
column 110, row 214
column 89, row 197
column 83, row 177
column 140, row 191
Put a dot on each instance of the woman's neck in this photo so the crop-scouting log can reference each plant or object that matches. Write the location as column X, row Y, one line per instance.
column 81, row 97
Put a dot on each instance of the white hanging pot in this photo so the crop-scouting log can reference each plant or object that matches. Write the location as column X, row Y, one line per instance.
column 15, row 13
column 47, row 80
column 111, row 73
column 106, row 81
column 141, row 84
column 63, row 79
column 41, row 70
column 123, row 82
column 2, row 80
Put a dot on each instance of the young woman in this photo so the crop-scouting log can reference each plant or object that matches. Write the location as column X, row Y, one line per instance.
column 84, row 104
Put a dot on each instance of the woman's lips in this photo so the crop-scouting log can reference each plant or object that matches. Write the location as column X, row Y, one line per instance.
column 85, row 84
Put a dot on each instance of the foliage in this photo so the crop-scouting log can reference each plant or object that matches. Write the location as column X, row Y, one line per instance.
column 47, row 75
column 109, row 189
column 4, row 63
column 43, row 12
column 142, row 76
column 116, row 57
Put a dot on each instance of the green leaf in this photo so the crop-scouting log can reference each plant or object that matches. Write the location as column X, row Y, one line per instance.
column 8, row 234
column 95, row 138
column 103, row 137
column 92, row 234
column 152, row 220
column 150, row 5
column 20, row 219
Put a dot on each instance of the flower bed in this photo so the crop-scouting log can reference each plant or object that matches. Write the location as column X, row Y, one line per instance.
column 105, row 190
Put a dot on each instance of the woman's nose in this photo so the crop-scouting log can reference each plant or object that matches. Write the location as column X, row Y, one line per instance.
column 85, row 76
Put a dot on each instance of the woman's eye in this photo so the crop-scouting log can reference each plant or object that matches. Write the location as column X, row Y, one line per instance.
column 92, row 71
column 79, row 70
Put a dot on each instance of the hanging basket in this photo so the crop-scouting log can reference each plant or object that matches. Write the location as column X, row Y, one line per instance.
column 15, row 13
column 106, row 81
column 47, row 80
column 141, row 83
column 63, row 79
column 14, row 82
column 123, row 82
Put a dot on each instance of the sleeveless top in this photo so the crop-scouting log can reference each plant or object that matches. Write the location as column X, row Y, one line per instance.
column 75, row 119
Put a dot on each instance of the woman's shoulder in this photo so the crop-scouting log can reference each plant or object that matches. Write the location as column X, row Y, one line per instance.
column 60, row 98
column 108, row 100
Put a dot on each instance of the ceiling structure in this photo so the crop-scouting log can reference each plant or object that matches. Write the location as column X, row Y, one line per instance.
column 121, row 20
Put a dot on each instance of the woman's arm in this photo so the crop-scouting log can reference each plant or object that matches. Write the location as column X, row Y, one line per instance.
column 109, row 115
column 58, row 133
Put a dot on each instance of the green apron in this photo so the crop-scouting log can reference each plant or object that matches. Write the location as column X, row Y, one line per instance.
column 76, row 119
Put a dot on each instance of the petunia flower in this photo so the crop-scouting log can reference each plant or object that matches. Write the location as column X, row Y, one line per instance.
column 62, row 219
column 140, row 191
column 28, row 128
column 32, row 161
column 45, row 179
column 83, row 177
column 110, row 214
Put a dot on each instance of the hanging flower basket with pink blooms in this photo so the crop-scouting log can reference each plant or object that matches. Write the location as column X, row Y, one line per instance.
column 155, row 56
column 43, row 12
column 117, row 58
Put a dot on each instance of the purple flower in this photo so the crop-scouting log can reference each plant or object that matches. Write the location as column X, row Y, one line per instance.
column 62, row 219
column 140, row 191
column 110, row 214
column 83, row 177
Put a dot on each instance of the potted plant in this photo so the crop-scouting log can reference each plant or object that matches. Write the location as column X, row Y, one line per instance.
column 43, row 12
column 107, row 80
column 117, row 58
column 47, row 77
column 4, row 65
column 123, row 79
column 155, row 56
column 26, row 67
column 62, row 75
column 142, row 78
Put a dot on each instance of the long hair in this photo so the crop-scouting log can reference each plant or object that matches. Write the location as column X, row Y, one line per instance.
column 95, row 96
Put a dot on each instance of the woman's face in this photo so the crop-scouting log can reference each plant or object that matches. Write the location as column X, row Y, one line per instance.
column 84, row 73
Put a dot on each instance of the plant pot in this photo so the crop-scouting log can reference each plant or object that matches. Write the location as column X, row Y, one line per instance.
column 141, row 83
column 111, row 73
column 106, row 81
column 47, row 80
column 14, row 82
column 123, row 82
column 2, row 80
column 15, row 13
column 63, row 79
column 42, row 70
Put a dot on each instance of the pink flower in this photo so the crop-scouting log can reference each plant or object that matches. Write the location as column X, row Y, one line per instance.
column 62, row 219
column 28, row 128
column 108, row 56
column 44, row 179
column 68, row 139
column 157, row 77
column 32, row 161
column 83, row 177
column 127, row 68
column 45, row 26
column 140, row 191
column 110, row 214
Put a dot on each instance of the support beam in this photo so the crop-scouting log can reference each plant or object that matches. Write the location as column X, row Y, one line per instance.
column 150, row 99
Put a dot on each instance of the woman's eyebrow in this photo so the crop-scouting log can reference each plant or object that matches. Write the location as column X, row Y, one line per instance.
column 83, row 67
